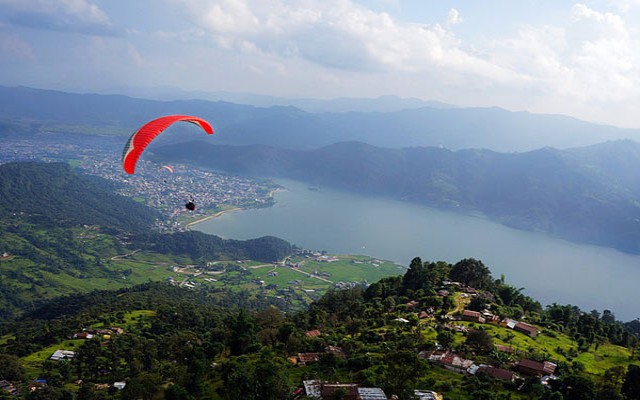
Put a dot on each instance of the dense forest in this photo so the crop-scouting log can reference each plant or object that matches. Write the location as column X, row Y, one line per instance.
column 52, row 195
column 174, row 343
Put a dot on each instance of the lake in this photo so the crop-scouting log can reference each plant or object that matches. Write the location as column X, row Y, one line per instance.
column 551, row 270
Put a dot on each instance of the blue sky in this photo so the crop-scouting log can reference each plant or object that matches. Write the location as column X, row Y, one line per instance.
column 552, row 56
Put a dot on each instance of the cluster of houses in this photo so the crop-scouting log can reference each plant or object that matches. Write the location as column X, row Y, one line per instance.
column 103, row 333
column 352, row 391
column 63, row 355
column 524, row 367
column 487, row 317
column 316, row 389
column 455, row 363
column 8, row 387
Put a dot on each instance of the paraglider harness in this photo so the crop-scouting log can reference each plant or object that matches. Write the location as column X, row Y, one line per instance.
column 190, row 205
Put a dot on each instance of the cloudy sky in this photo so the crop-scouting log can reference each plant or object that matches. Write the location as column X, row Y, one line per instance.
column 549, row 56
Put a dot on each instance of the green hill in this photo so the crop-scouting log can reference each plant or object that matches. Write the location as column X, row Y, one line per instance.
column 53, row 195
column 61, row 233
column 168, row 342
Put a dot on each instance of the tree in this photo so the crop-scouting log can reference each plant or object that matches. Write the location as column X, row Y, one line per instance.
column 631, row 385
column 177, row 392
column 145, row 386
column 575, row 387
column 446, row 338
column 417, row 277
column 251, row 379
column 509, row 295
column 479, row 341
column 10, row 368
column 271, row 377
column 472, row 273
column 238, row 379
column 242, row 333
column 269, row 320
column 403, row 369
column 608, row 317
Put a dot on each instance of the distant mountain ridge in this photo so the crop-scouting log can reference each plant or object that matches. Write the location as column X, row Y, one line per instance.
column 33, row 110
column 587, row 194
column 387, row 103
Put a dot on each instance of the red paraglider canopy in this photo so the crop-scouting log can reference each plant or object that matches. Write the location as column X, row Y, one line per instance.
column 143, row 136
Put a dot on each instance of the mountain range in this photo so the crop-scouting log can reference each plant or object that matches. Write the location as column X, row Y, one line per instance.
column 25, row 111
column 546, row 173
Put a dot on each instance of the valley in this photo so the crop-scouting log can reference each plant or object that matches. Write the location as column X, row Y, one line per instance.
column 104, row 297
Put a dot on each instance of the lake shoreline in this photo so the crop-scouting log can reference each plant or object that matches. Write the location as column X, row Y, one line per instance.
column 551, row 270
column 270, row 195
column 212, row 216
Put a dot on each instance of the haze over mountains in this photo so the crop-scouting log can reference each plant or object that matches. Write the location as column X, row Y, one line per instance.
column 342, row 104
column 289, row 127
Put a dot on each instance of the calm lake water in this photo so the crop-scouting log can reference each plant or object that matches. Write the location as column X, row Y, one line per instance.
column 551, row 270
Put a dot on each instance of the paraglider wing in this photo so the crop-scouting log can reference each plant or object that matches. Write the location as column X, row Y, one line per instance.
column 143, row 136
column 168, row 168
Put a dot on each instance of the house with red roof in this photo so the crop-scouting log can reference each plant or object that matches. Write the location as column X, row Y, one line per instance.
column 472, row 316
column 531, row 367
column 313, row 333
column 527, row 329
column 498, row 373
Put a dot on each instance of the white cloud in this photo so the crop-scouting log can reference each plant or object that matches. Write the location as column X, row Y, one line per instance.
column 581, row 59
column 607, row 63
column 78, row 8
column 625, row 5
column 453, row 18
column 340, row 34
column 59, row 15
column 592, row 61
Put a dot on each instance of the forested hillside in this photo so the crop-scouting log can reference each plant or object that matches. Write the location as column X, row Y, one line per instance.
column 61, row 233
column 54, row 196
column 448, row 329
column 586, row 194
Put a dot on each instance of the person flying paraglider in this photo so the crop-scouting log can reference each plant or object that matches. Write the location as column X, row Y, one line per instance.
column 143, row 136
column 190, row 204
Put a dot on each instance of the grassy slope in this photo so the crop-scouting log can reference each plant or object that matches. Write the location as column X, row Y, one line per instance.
column 107, row 267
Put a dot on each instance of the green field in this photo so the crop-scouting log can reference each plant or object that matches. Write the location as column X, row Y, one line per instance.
column 307, row 277
column 33, row 362
column 595, row 361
